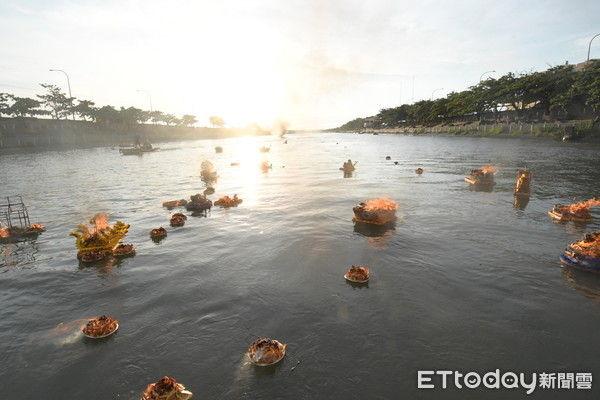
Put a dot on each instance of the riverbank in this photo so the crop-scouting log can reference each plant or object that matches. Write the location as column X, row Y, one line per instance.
column 554, row 130
column 38, row 134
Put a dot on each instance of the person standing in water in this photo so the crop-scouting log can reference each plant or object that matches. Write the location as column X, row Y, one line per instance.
column 348, row 165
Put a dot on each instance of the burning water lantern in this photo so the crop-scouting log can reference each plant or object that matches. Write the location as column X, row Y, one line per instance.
column 377, row 211
column 264, row 352
column 166, row 389
column 583, row 254
column 178, row 219
column 578, row 212
column 226, row 201
column 14, row 221
column 99, row 240
column 482, row 176
column 199, row 203
column 522, row 186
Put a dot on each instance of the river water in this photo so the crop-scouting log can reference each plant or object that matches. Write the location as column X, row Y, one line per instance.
column 465, row 281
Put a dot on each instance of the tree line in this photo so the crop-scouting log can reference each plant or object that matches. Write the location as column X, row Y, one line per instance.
column 56, row 104
column 557, row 89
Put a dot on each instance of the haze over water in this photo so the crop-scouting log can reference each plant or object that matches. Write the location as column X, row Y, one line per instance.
column 465, row 281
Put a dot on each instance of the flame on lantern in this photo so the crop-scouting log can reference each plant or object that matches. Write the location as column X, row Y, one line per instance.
column 583, row 206
column 489, row 169
column 99, row 234
column 380, row 203
column 98, row 223
column 590, row 245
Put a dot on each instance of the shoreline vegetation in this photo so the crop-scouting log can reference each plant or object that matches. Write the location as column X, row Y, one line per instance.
column 587, row 129
column 17, row 135
column 562, row 99
column 54, row 120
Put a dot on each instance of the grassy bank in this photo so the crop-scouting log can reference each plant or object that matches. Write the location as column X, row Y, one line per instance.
column 584, row 129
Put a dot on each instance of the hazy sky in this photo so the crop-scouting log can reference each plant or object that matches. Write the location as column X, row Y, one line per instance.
column 313, row 63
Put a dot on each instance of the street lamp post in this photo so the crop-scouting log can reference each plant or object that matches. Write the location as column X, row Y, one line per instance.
column 149, row 96
column 486, row 72
column 69, row 86
column 590, row 45
column 432, row 93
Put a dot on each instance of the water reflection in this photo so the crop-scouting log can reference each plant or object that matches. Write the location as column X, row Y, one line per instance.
column 520, row 202
column 573, row 227
column 204, row 213
column 158, row 239
column 23, row 252
column 90, row 342
column 103, row 267
column 376, row 235
column 265, row 166
column 373, row 230
column 585, row 283
column 481, row 188
column 248, row 373
column 357, row 285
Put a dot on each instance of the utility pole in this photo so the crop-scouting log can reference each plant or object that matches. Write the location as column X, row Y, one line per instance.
column 590, row 45
column 69, row 86
column 149, row 96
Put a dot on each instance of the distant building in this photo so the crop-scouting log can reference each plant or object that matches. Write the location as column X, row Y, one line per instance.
column 369, row 122
column 582, row 65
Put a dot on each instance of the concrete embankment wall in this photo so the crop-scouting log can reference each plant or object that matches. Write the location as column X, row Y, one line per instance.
column 46, row 133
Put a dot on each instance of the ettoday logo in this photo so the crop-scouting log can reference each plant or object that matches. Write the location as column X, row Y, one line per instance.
column 504, row 380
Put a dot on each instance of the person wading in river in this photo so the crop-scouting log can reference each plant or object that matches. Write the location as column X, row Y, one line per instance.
column 349, row 166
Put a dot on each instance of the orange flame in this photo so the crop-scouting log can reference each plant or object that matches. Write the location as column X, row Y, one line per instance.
column 590, row 245
column 489, row 169
column 4, row 233
column 381, row 203
column 100, row 222
column 582, row 207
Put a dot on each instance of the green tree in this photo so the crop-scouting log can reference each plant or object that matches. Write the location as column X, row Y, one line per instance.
column 107, row 115
column 25, row 106
column 132, row 116
column 587, row 86
column 463, row 103
column 510, row 91
column 548, row 86
column 157, row 117
column 56, row 101
column 170, row 119
column 354, row 125
column 188, row 120
column 438, row 110
column 86, row 110
column 144, row 117
column 4, row 103
column 216, row 122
